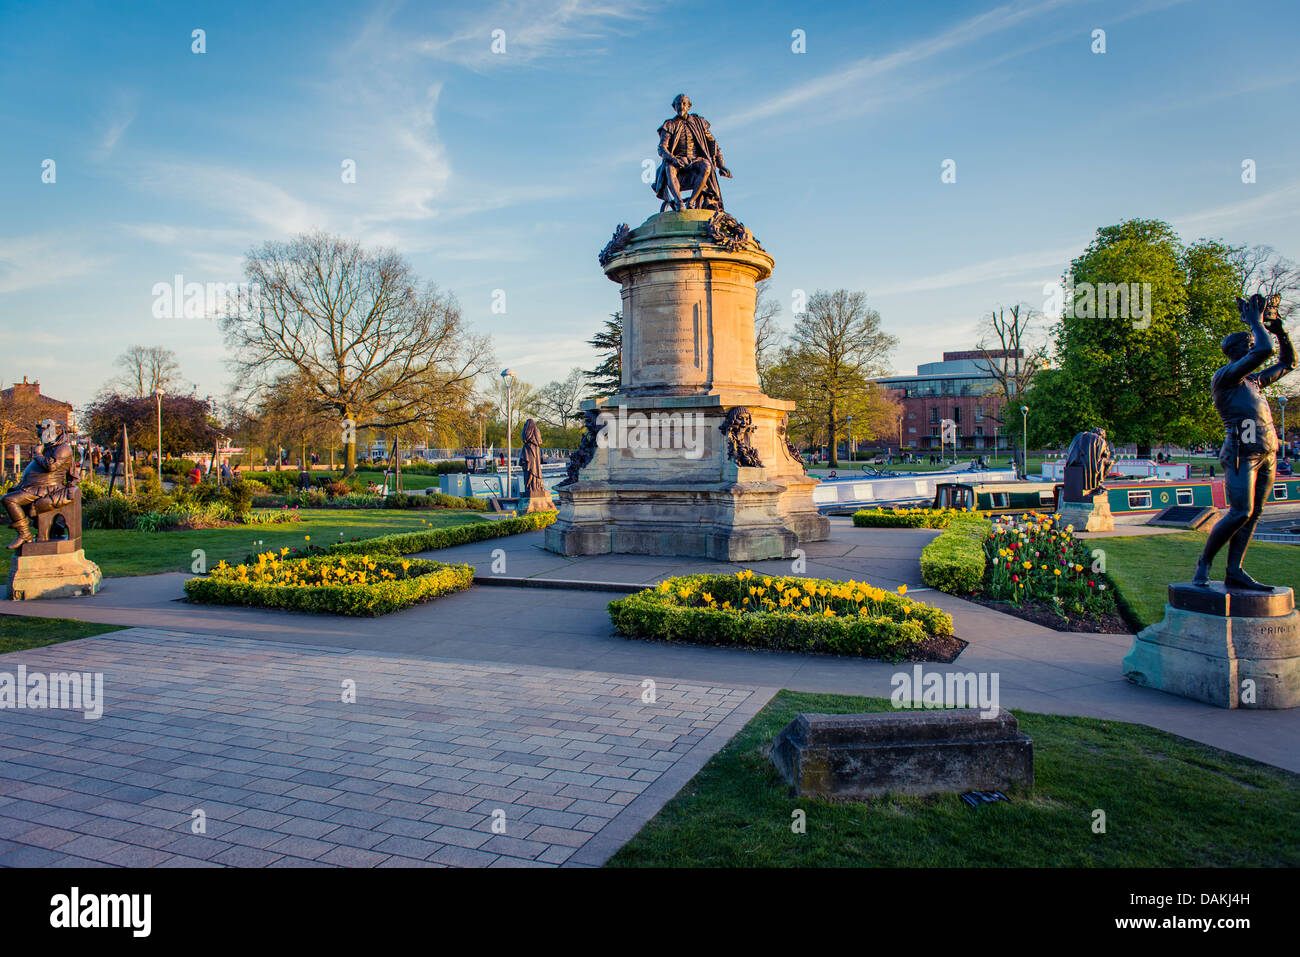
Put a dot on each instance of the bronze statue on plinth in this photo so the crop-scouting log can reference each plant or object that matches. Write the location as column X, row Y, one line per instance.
column 1249, row 453
column 48, row 484
column 691, row 160
column 1087, row 460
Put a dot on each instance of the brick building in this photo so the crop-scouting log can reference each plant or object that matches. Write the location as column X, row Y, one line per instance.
column 960, row 388
column 21, row 407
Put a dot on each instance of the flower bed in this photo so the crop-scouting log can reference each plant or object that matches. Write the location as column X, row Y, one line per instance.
column 1033, row 559
column 788, row 614
column 905, row 517
column 954, row 562
column 339, row 585
column 408, row 543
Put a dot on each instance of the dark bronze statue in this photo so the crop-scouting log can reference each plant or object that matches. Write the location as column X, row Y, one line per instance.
column 691, row 160
column 48, row 483
column 738, row 425
column 1091, row 454
column 1249, row 453
column 530, row 460
column 581, row 457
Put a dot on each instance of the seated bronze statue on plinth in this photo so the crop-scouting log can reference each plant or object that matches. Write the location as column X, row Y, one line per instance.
column 45, row 511
column 48, row 492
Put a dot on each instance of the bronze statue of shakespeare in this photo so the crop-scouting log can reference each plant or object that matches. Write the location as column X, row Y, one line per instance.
column 48, row 482
column 691, row 160
column 1249, row 453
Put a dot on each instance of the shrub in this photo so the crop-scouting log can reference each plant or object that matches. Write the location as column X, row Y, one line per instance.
column 239, row 494
column 788, row 614
column 408, row 543
column 954, row 561
column 178, row 466
column 904, row 517
column 113, row 511
column 337, row 584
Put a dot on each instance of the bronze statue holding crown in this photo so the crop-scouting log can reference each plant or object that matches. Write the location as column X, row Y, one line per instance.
column 1249, row 453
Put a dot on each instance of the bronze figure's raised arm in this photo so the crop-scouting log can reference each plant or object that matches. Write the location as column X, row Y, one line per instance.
column 691, row 160
column 1249, row 453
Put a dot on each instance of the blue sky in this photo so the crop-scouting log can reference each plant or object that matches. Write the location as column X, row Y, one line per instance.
column 509, row 171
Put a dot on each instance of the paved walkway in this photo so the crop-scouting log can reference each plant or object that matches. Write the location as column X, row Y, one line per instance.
column 435, row 764
column 471, row 665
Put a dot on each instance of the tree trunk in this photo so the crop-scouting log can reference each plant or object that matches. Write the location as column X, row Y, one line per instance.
column 834, row 438
column 350, row 457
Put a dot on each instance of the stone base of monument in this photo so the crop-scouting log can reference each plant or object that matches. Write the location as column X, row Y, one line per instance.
column 1093, row 516
column 537, row 503
column 52, row 570
column 1225, row 646
column 692, row 458
column 660, row 502
column 855, row 756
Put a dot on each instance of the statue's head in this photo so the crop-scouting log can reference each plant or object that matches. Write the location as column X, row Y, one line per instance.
column 681, row 104
column 1236, row 345
column 47, row 430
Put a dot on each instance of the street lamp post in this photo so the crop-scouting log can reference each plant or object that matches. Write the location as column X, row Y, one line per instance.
column 157, row 394
column 1281, row 400
column 509, row 376
column 1024, row 465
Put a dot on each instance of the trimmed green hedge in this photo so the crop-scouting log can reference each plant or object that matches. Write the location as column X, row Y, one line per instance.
column 905, row 517
column 408, row 543
column 424, row 580
column 893, row 626
column 954, row 562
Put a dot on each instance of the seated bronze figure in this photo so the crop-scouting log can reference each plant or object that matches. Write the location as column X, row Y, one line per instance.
column 48, row 484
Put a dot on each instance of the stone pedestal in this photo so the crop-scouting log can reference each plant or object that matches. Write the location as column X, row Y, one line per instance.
column 666, row 476
column 903, row 752
column 1224, row 646
column 52, row 570
column 1091, row 516
column 537, row 503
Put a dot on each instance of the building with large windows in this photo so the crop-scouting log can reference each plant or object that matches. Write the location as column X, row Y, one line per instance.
column 963, row 388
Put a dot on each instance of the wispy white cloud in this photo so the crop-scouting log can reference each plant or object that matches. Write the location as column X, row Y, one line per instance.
column 33, row 262
column 535, row 30
column 114, row 121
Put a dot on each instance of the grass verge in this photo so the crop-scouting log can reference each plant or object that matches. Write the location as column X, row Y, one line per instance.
column 1169, row 802
column 20, row 632
column 1142, row 566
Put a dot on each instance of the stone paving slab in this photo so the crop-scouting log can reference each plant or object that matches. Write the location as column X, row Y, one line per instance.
column 257, row 736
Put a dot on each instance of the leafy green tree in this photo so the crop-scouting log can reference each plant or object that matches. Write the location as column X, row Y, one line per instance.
column 606, row 378
column 1138, row 341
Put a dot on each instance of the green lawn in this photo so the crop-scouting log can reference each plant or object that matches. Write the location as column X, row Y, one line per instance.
column 122, row 553
column 1142, row 566
column 1169, row 802
column 18, row 633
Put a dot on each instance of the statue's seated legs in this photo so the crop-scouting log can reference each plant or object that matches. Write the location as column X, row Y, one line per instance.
column 44, row 505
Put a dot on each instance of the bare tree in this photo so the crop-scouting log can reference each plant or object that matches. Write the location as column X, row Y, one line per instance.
column 1011, row 355
column 835, row 348
column 1262, row 269
column 767, row 333
column 370, row 343
column 145, row 370
column 559, row 402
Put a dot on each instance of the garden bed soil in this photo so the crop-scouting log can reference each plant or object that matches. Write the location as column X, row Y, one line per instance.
column 1111, row 623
